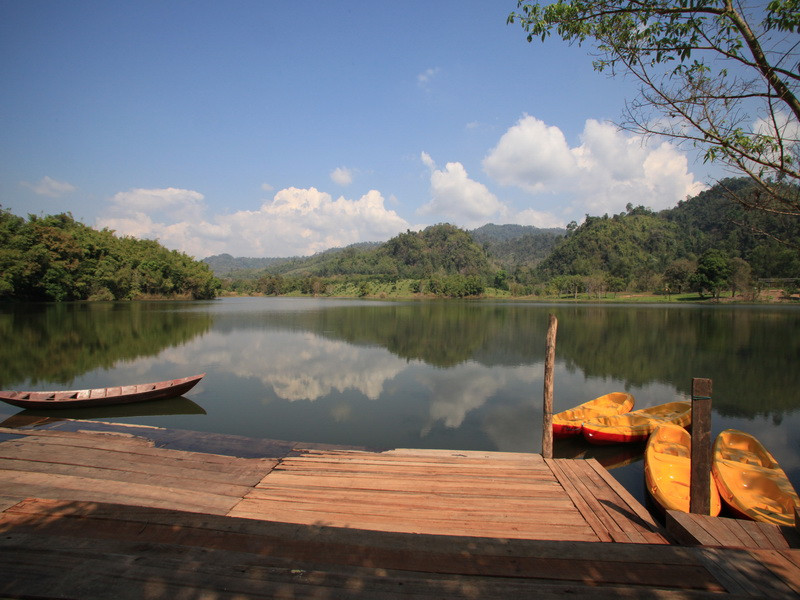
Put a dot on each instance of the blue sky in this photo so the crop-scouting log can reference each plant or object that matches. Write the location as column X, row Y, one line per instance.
column 279, row 128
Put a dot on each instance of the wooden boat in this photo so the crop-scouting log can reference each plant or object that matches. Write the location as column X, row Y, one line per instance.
column 668, row 468
column 750, row 480
column 636, row 426
column 570, row 422
column 101, row 396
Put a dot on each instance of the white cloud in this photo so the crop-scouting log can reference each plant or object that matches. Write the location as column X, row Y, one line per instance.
column 342, row 176
column 47, row 186
column 295, row 222
column 538, row 218
column 425, row 77
column 603, row 174
column 459, row 199
column 530, row 155
column 173, row 202
column 266, row 187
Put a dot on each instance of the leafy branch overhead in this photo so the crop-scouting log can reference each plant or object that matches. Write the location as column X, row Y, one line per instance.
column 718, row 74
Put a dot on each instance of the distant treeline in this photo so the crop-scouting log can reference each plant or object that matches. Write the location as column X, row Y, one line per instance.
column 707, row 244
column 57, row 258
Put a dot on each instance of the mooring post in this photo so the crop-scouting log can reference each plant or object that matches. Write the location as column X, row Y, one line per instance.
column 549, row 364
column 700, row 481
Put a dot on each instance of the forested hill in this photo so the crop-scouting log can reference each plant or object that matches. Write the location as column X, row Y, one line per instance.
column 58, row 258
column 505, row 246
column 704, row 243
column 678, row 248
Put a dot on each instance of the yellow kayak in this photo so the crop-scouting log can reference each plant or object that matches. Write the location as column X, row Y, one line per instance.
column 667, row 469
column 636, row 426
column 570, row 422
column 750, row 480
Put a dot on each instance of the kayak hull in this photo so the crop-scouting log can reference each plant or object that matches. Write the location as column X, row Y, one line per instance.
column 668, row 467
column 751, row 482
column 636, row 426
column 570, row 422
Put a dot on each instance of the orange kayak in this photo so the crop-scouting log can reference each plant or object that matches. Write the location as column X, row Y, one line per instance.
column 636, row 426
column 668, row 468
column 570, row 422
column 750, row 480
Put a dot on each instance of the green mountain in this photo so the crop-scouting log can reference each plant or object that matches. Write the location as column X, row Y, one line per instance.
column 58, row 258
column 637, row 249
column 513, row 247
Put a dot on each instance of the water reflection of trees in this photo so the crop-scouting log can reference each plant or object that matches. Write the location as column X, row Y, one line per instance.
column 751, row 353
column 58, row 342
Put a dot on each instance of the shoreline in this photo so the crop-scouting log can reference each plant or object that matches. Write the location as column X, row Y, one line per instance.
column 773, row 297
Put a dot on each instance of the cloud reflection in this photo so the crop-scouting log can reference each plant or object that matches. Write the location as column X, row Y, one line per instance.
column 300, row 365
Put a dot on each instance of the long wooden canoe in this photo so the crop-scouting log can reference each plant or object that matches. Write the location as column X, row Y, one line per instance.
column 570, row 422
column 102, row 396
column 668, row 469
column 636, row 426
column 750, row 480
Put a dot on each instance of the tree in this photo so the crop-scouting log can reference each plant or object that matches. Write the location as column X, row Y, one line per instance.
column 713, row 270
column 713, row 73
column 740, row 276
column 677, row 274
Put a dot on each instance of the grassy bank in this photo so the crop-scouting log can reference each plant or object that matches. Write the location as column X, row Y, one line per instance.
column 406, row 290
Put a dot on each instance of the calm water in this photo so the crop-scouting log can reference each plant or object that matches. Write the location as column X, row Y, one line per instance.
column 456, row 375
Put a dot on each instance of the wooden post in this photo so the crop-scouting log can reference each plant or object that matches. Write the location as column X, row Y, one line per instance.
column 699, row 492
column 549, row 364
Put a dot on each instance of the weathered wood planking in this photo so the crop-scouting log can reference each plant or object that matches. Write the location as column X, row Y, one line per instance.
column 606, row 505
column 91, row 550
column 693, row 529
column 450, row 493
column 113, row 467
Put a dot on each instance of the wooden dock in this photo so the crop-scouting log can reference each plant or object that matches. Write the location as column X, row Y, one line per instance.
column 98, row 514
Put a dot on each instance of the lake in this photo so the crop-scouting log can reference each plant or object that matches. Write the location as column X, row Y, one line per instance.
column 465, row 375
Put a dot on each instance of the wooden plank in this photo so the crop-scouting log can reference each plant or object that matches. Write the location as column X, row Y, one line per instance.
column 492, row 473
column 396, row 523
column 174, row 523
column 532, row 567
column 163, row 477
column 440, row 454
column 731, row 578
column 607, row 500
column 462, row 486
column 47, row 454
column 477, row 466
column 747, row 570
column 634, row 505
column 736, row 527
column 483, row 515
column 22, row 485
column 519, row 504
column 93, row 449
column 423, row 456
column 721, row 531
column 589, row 515
column 92, row 573
column 126, row 442
column 764, row 535
column 686, row 529
column 786, row 570
column 792, row 555
column 723, row 535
